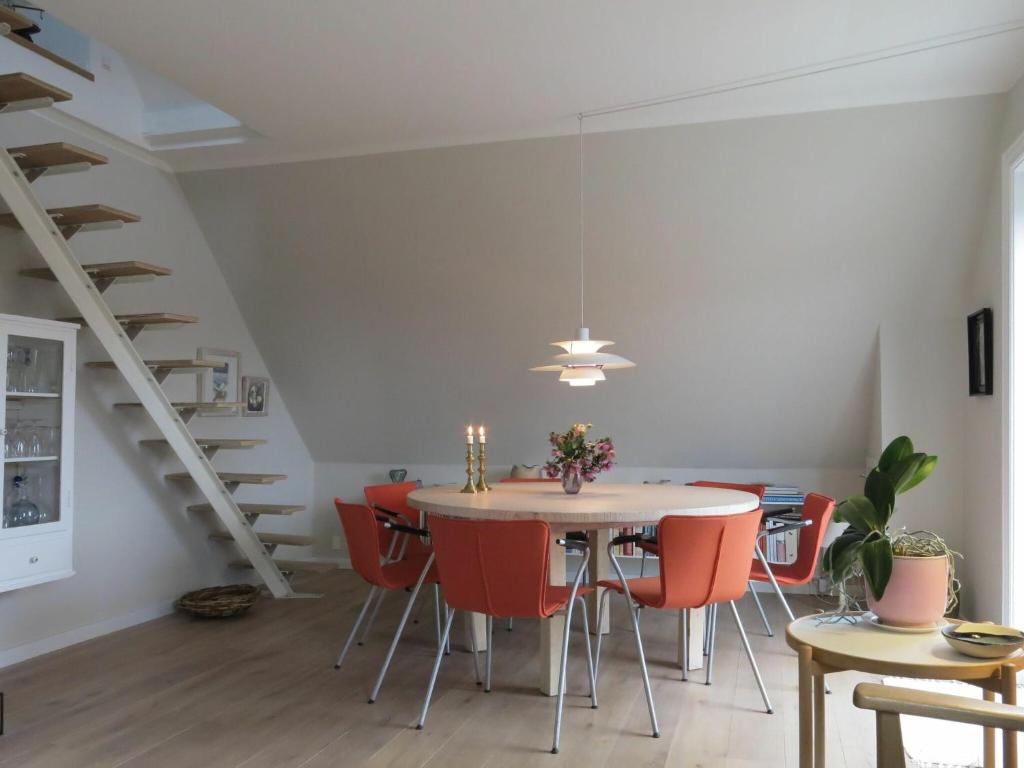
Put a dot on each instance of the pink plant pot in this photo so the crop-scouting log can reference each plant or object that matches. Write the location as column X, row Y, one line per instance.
column 916, row 593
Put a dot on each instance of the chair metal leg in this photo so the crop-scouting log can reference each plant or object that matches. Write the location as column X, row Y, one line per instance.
column 643, row 561
column 437, row 614
column 602, row 607
column 437, row 667
column 490, row 645
column 750, row 657
column 561, row 676
column 398, row 631
column 684, row 638
column 639, row 642
column 476, row 663
column 590, row 659
column 373, row 617
column 448, row 642
column 355, row 627
column 713, row 624
column 508, row 626
column 760, row 609
column 778, row 591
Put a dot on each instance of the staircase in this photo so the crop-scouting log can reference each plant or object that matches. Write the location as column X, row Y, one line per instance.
column 50, row 230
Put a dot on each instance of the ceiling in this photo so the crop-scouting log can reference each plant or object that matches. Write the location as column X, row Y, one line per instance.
column 331, row 78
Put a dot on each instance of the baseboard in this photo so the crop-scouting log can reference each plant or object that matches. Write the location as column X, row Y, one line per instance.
column 81, row 634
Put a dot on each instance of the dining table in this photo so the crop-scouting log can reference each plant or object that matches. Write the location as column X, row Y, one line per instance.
column 602, row 510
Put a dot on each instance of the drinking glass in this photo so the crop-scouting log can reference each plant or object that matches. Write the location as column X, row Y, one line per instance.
column 31, row 373
column 18, row 445
column 34, row 440
column 51, row 441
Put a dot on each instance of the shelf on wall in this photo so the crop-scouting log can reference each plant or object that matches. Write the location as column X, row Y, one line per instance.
column 29, row 459
column 33, row 395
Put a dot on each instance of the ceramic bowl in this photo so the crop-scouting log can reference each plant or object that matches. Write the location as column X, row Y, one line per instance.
column 990, row 648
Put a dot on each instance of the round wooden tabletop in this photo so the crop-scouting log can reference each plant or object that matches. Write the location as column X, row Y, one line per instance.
column 864, row 647
column 598, row 505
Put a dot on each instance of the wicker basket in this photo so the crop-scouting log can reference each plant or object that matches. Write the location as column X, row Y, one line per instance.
column 219, row 602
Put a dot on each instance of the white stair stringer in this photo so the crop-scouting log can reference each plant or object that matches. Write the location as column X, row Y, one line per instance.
column 54, row 249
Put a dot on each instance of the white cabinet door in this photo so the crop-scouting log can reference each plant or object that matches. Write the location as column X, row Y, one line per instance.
column 38, row 450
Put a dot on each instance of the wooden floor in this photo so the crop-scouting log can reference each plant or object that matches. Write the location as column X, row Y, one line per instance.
column 260, row 692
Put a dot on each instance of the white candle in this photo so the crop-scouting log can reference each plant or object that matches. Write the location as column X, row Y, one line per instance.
column 483, row 435
column 469, row 435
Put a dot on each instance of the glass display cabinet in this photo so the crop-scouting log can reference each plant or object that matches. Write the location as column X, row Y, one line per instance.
column 38, row 382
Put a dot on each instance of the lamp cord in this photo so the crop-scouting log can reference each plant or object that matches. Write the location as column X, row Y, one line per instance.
column 580, row 118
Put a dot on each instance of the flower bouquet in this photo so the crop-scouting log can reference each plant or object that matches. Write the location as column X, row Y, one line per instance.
column 576, row 460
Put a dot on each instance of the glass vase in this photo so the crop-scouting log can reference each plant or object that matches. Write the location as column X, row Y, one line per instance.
column 572, row 480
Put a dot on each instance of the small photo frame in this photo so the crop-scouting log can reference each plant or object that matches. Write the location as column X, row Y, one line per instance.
column 256, row 391
column 979, row 348
column 220, row 384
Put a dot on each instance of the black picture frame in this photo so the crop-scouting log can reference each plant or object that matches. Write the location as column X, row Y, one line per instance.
column 979, row 349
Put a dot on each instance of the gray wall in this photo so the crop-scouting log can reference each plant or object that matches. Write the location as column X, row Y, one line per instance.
column 985, row 428
column 136, row 549
column 745, row 266
column 790, row 287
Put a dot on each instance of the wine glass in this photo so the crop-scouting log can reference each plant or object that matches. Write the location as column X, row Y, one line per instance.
column 31, row 373
column 34, row 439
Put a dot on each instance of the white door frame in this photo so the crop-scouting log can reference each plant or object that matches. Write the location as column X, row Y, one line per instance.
column 1013, row 531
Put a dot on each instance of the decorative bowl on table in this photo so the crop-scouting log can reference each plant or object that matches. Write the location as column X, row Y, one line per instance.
column 983, row 641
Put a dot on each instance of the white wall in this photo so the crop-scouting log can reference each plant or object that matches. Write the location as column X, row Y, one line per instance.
column 745, row 266
column 136, row 549
column 984, row 427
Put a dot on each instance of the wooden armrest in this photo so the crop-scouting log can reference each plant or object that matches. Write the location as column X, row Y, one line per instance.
column 939, row 706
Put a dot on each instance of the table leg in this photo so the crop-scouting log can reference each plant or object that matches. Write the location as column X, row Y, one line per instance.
column 1008, row 683
column 806, row 713
column 551, row 629
column 696, row 619
column 819, row 720
column 599, row 567
column 476, row 625
column 989, row 738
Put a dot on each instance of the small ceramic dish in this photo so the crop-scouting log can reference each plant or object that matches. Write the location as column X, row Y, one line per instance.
column 1000, row 643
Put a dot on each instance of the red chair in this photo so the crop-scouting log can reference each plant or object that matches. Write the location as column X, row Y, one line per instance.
column 813, row 524
column 508, row 625
column 390, row 498
column 704, row 561
column 410, row 573
column 500, row 568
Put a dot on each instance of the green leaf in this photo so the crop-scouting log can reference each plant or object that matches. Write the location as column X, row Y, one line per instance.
column 842, row 554
column 879, row 489
column 860, row 513
column 923, row 471
column 876, row 561
column 898, row 449
column 903, row 471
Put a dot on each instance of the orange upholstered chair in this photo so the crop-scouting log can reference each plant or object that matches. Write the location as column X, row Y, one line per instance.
column 500, row 568
column 813, row 524
column 705, row 560
column 360, row 524
column 392, row 497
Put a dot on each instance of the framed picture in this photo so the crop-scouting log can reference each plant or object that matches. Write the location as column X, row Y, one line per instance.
column 220, row 384
column 257, row 395
column 979, row 348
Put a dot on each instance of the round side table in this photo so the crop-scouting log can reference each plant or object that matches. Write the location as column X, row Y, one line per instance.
column 823, row 648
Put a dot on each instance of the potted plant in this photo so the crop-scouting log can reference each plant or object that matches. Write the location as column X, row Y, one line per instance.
column 909, row 577
column 577, row 461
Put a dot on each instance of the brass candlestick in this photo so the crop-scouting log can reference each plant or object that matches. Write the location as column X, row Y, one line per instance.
column 481, row 484
column 469, row 487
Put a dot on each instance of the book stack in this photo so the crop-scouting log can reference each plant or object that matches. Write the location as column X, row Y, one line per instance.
column 788, row 495
column 780, row 548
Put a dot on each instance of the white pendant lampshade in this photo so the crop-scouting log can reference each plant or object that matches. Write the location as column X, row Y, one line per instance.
column 583, row 363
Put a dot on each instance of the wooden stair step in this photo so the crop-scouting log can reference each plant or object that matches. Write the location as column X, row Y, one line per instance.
column 284, row 539
column 220, row 443
column 52, row 155
column 14, row 19
column 46, row 53
column 245, row 478
column 144, row 319
column 291, row 566
column 78, row 216
column 255, row 509
column 219, row 405
column 162, row 366
column 18, row 86
column 105, row 271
